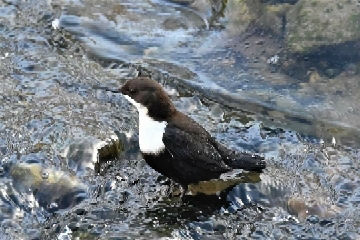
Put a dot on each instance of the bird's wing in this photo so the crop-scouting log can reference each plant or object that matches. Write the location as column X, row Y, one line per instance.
column 196, row 150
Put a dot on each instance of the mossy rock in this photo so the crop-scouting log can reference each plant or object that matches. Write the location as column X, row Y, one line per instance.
column 319, row 23
column 242, row 14
column 110, row 150
column 246, row 15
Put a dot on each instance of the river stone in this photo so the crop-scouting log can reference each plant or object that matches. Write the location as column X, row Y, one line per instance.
column 57, row 189
column 320, row 23
column 241, row 14
column 254, row 14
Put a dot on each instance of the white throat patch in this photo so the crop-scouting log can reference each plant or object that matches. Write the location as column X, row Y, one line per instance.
column 150, row 131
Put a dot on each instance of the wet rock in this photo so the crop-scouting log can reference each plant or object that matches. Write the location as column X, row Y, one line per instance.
column 216, row 186
column 111, row 150
column 217, row 112
column 350, row 70
column 301, row 209
column 314, row 76
column 80, row 211
column 85, row 154
column 174, row 24
column 332, row 72
column 57, row 191
column 219, row 225
column 313, row 219
column 310, row 25
column 260, row 42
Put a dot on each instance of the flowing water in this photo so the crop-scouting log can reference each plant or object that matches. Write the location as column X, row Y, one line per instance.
column 57, row 57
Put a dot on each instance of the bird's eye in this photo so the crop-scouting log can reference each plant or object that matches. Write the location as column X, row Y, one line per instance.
column 132, row 91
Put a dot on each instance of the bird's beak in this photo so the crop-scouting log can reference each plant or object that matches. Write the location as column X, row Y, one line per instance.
column 123, row 90
column 113, row 90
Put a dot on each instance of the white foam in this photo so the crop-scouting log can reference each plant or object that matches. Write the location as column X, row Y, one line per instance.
column 55, row 24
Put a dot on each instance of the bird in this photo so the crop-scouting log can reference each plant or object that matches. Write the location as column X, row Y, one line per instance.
column 174, row 144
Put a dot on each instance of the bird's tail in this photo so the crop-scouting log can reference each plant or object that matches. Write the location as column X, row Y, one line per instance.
column 246, row 161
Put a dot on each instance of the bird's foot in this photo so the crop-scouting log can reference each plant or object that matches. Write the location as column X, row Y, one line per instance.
column 180, row 193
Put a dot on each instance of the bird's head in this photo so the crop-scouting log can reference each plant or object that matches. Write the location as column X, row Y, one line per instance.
column 148, row 95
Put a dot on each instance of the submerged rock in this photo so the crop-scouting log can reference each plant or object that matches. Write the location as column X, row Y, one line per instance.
column 52, row 189
column 302, row 209
column 218, row 185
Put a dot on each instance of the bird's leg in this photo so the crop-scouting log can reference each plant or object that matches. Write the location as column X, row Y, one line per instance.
column 183, row 190
column 170, row 188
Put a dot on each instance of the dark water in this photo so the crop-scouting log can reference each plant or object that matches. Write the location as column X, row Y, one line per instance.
column 55, row 115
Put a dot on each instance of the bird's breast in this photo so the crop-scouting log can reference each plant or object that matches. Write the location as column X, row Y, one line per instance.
column 151, row 134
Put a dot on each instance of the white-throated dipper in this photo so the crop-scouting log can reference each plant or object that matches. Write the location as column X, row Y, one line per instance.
column 174, row 144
